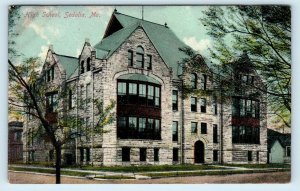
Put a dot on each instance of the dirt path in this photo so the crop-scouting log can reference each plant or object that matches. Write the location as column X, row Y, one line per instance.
column 277, row 177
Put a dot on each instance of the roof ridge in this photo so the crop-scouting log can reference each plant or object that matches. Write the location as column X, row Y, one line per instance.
column 65, row 56
column 142, row 19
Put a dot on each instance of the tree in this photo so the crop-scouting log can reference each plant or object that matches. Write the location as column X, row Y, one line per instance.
column 264, row 32
column 28, row 92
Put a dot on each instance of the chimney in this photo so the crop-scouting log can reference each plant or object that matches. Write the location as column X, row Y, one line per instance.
column 87, row 40
column 51, row 47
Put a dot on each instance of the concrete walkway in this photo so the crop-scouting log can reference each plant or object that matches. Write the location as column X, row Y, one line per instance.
column 140, row 175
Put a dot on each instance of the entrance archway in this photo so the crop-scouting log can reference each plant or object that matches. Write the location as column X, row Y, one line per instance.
column 199, row 152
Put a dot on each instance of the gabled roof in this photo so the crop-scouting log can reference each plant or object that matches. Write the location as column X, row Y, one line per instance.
column 164, row 40
column 70, row 64
column 284, row 139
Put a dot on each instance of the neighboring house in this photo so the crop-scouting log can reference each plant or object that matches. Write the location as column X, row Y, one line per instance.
column 15, row 144
column 137, row 65
column 279, row 147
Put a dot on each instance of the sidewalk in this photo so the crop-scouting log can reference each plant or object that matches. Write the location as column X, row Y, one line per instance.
column 140, row 175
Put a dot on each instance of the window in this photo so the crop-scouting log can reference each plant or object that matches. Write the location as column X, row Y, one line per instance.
column 215, row 133
column 87, row 94
column 18, row 136
column 245, row 134
column 88, row 154
column 194, row 81
column 139, row 57
column 249, row 155
column 193, row 104
column 243, row 107
column 257, row 156
column 203, row 82
column 175, row 154
column 51, row 102
column 203, row 105
column 157, row 96
column 70, row 99
column 150, row 95
column 149, row 62
column 122, row 98
column 81, row 95
column 175, row 100
column 138, row 128
column 143, row 154
column 215, row 106
column 81, row 154
column 156, row 154
column 175, row 131
column 132, row 98
column 203, row 128
column 88, row 64
column 288, row 151
column 130, row 58
column 194, row 127
column 132, row 121
column 142, row 124
column 125, row 154
column 82, row 67
column 215, row 155
column 52, row 73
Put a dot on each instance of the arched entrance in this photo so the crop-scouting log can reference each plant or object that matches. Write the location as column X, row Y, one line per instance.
column 199, row 152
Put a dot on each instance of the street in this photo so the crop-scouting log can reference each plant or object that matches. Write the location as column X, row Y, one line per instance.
column 274, row 177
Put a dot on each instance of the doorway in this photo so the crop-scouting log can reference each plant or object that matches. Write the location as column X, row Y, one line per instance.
column 199, row 152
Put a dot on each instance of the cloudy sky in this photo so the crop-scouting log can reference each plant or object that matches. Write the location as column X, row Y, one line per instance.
column 38, row 27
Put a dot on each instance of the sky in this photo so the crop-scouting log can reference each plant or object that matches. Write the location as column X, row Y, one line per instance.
column 40, row 26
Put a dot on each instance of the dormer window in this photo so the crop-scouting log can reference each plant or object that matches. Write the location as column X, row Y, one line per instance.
column 82, row 67
column 50, row 74
column 139, row 57
column 88, row 64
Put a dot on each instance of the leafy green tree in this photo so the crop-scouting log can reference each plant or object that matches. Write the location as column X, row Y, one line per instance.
column 264, row 32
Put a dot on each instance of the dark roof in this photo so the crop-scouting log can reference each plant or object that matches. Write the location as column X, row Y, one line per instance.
column 284, row 139
column 70, row 64
column 164, row 40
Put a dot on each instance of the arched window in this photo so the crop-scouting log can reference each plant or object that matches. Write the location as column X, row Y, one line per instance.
column 88, row 64
column 139, row 57
column 82, row 67
column 194, row 81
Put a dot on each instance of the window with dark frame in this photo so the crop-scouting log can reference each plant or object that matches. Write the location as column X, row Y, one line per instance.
column 156, row 154
column 81, row 154
column 125, row 154
column 139, row 57
column 88, row 64
column 130, row 58
column 245, row 107
column 215, row 156
column 203, row 81
column 143, row 154
column 257, row 156
column 245, row 134
column 148, row 62
column 88, row 154
column 175, row 154
column 194, row 104
column 194, row 127
column 51, row 102
column 175, row 131
column 82, row 67
column 215, row 133
column 175, row 100
column 71, row 99
column 203, row 105
column 288, row 151
column 194, row 81
column 249, row 155
column 203, row 128
column 215, row 106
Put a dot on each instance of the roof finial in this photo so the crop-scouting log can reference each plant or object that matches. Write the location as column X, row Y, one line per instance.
column 51, row 47
column 115, row 10
column 166, row 25
column 142, row 12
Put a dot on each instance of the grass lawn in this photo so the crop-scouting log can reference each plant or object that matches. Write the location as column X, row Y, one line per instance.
column 149, row 168
column 288, row 166
column 205, row 173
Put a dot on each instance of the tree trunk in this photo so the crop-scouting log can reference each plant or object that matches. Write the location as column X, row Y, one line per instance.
column 58, row 164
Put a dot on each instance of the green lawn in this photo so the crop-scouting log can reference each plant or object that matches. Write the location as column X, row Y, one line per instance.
column 288, row 166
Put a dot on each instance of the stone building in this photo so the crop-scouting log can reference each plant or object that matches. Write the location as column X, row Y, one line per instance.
column 137, row 64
